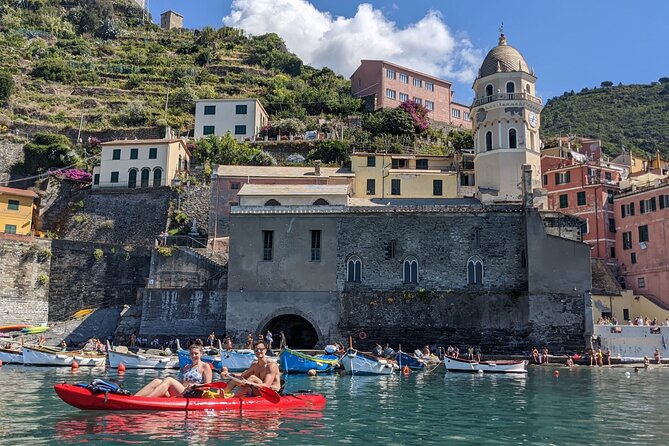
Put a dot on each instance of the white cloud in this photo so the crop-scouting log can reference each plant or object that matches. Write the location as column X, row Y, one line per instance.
column 341, row 42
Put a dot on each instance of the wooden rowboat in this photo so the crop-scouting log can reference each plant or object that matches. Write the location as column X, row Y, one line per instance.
column 36, row 355
column 464, row 365
column 130, row 360
column 357, row 363
column 11, row 356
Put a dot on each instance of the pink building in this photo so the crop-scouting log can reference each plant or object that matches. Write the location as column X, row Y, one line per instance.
column 642, row 232
column 383, row 84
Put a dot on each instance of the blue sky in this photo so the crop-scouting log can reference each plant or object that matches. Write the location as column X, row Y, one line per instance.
column 571, row 44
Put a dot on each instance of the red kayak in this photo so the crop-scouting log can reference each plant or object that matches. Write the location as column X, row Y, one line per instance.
column 83, row 398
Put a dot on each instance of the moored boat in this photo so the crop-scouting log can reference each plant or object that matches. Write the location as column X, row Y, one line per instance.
column 411, row 361
column 35, row 330
column 130, row 360
column 357, row 363
column 17, row 327
column 464, row 365
column 235, row 360
column 11, row 355
column 291, row 361
column 85, row 399
column 36, row 355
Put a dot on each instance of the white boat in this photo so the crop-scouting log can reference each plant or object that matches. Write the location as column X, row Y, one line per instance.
column 11, row 356
column 464, row 365
column 357, row 363
column 35, row 355
column 130, row 360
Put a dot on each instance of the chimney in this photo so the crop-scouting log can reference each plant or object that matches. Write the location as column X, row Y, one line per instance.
column 317, row 168
column 528, row 198
column 168, row 133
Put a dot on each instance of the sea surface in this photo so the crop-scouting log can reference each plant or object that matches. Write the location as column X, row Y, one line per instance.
column 584, row 405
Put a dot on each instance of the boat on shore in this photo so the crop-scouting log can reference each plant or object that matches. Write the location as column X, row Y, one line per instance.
column 130, row 360
column 357, row 363
column 40, row 355
column 465, row 365
column 234, row 360
column 16, row 327
column 35, row 330
column 292, row 361
column 83, row 398
column 9, row 355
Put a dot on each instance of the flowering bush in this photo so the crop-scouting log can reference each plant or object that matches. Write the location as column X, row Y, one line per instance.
column 75, row 175
column 418, row 115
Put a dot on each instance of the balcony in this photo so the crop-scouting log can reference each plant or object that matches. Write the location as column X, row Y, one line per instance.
column 507, row 97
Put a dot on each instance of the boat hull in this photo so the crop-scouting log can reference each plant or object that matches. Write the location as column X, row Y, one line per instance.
column 459, row 365
column 34, row 356
column 405, row 359
column 84, row 399
column 291, row 361
column 8, row 356
column 139, row 361
column 356, row 363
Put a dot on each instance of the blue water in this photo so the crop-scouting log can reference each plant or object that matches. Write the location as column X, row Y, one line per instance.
column 582, row 406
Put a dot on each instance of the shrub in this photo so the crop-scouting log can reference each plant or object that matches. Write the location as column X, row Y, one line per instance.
column 134, row 81
column 180, row 217
column 107, row 224
column 43, row 279
column 330, row 152
column 47, row 150
column 418, row 114
column 134, row 114
column 98, row 254
column 6, row 86
column 46, row 253
column 79, row 219
column 262, row 158
column 53, row 70
column 165, row 251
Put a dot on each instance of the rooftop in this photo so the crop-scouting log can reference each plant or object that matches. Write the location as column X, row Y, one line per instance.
column 136, row 142
column 293, row 189
column 21, row 192
column 427, row 76
column 280, row 172
column 503, row 58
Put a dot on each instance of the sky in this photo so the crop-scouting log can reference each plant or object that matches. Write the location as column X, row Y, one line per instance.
column 570, row 44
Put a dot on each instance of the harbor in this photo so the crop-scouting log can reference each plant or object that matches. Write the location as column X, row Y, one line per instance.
column 581, row 405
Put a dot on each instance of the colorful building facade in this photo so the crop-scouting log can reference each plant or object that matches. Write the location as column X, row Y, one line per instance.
column 17, row 207
column 642, row 233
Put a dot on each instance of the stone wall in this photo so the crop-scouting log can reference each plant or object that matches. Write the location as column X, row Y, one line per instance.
column 186, row 268
column 183, row 312
column 194, row 201
column 281, row 150
column 79, row 280
column 24, row 281
column 10, row 154
column 128, row 216
column 499, row 323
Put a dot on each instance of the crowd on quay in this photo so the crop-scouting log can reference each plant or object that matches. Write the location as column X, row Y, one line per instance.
column 638, row 321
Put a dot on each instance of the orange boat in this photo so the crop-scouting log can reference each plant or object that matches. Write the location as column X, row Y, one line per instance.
column 17, row 327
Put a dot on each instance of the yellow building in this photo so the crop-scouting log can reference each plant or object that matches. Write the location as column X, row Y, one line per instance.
column 386, row 175
column 16, row 210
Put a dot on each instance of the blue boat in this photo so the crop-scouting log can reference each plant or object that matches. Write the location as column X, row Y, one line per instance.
column 411, row 361
column 291, row 361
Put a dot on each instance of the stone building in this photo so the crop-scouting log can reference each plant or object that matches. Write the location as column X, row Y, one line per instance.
column 171, row 20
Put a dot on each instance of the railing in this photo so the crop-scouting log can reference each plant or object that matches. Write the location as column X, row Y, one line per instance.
column 125, row 185
column 183, row 240
column 507, row 97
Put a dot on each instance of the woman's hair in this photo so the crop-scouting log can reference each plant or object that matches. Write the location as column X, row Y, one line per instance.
column 197, row 346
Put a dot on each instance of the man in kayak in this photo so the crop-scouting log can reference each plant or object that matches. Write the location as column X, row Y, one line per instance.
column 262, row 373
column 198, row 372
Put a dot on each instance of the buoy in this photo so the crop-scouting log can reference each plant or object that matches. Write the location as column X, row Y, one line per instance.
column 75, row 365
column 556, row 373
column 628, row 374
column 406, row 370
column 311, row 372
column 480, row 372
column 121, row 367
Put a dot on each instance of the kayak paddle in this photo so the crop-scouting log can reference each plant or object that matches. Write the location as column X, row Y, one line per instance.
column 269, row 394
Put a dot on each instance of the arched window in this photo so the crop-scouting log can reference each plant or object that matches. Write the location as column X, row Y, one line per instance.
column 410, row 267
column 488, row 90
column 321, row 202
column 475, row 271
column 488, row 141
column 146, row 172
column 510, row 87
column 512, row 139
column 157, row 176
column 354, row 270
column 132, row 178
column 527, row 89
column 272, row 202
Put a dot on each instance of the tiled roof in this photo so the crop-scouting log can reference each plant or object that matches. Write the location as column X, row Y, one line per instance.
column 293, row 189
column 20, row 192
column 280, row 172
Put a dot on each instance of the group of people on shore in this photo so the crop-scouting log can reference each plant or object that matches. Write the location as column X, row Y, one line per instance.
column 637, row 321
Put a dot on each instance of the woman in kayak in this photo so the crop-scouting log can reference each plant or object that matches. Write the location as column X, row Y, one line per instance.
column 262, row 373
column 198, row 372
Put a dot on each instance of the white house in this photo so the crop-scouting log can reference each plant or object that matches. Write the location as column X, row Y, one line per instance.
column 243, row 118
column 141, row 163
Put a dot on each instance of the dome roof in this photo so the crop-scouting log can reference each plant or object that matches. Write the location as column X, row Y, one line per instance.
column 503, row 58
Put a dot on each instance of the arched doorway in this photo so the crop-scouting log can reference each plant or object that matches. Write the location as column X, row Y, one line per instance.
column 298, row 331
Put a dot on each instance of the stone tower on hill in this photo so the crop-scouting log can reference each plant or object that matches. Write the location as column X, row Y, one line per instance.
column 506, row 113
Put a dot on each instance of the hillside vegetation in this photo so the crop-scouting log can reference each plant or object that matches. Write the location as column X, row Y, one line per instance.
column 102, row 59
column 634, row 116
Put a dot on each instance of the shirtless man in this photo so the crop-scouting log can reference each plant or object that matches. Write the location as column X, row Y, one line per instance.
column 262, row 373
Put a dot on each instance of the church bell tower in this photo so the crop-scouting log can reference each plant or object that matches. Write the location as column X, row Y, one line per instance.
column 506, row 115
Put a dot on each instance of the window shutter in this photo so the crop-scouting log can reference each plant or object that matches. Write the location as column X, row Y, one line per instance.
column 631, row 208
column 653, row 205
column 567, row 177
column 642, row 207
column 622, row 210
